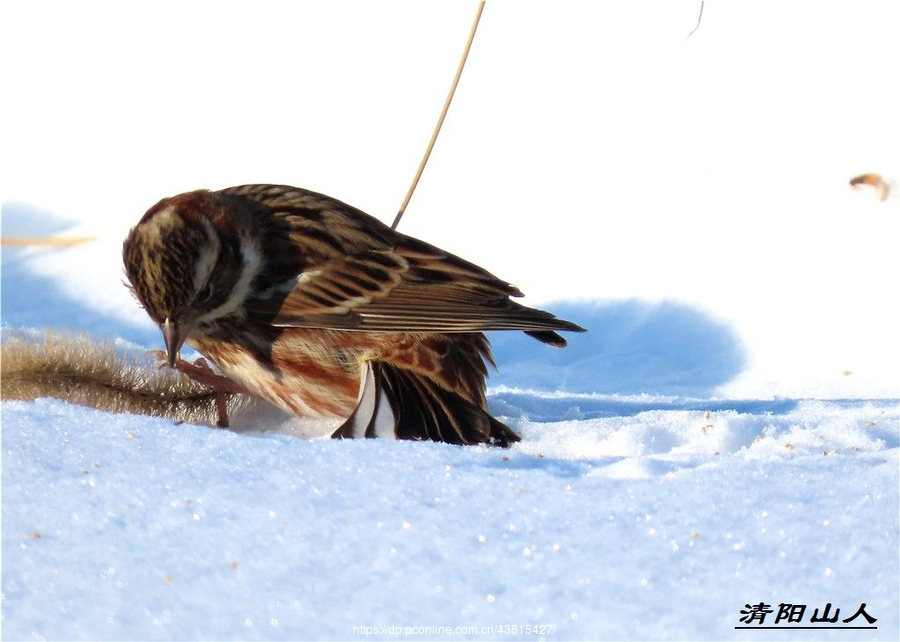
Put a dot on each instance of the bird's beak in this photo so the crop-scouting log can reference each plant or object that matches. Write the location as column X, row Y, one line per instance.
column 174, row 335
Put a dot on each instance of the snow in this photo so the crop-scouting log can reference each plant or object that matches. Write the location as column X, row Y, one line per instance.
column 659, row 524
column 726, row 433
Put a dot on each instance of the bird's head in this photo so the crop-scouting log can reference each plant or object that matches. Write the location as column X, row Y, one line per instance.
column 190, row 261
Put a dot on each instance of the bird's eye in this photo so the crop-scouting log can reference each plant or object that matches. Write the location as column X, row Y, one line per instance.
column 205, row 294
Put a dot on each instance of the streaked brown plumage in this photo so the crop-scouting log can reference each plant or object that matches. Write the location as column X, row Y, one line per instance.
column 325, row 311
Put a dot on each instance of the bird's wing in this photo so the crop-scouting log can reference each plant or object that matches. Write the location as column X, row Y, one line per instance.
column 410, row 288
column 353, row 272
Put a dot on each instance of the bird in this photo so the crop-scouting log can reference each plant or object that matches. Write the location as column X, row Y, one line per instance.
column 326, row 312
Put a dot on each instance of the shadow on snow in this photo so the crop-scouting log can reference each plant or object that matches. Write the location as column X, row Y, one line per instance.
column 631, row 347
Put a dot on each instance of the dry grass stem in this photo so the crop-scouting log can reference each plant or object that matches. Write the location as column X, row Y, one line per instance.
column 54, row 241
column 440, row 122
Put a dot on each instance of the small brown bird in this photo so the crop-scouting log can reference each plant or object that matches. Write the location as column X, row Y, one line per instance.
column 326, row 312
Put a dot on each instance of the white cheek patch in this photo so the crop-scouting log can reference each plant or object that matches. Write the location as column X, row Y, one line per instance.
column 251, row 264
column 206, row 263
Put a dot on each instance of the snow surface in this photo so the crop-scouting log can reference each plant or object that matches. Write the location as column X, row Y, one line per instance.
column 726, row 433
column 651, row 524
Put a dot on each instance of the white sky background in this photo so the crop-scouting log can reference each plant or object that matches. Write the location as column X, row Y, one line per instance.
column 590, row 152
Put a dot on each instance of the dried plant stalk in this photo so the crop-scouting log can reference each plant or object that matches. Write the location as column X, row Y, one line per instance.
column 55, row 241
column 82, row 371
column 440, row 122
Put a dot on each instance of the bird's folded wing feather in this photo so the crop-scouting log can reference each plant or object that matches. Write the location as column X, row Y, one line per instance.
column 412, row 288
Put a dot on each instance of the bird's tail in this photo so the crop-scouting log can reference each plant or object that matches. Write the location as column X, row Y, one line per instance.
column 398, row 403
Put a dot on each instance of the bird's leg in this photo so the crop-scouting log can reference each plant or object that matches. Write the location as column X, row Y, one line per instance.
column 222, row 386
column 200, row 372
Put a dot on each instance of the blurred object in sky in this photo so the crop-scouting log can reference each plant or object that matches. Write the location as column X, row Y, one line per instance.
column 875, row 181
